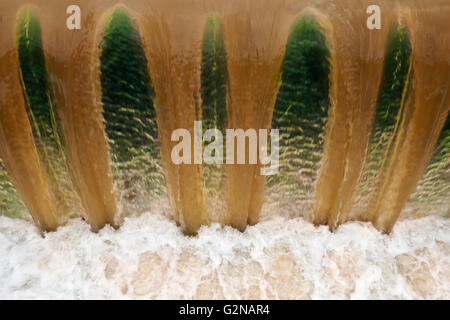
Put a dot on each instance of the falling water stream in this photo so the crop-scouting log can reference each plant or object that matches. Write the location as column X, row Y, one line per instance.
column 87, row 117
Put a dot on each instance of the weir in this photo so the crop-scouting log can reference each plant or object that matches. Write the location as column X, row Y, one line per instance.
column 87, row 114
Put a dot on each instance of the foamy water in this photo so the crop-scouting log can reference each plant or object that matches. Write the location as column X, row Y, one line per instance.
column 149, row 257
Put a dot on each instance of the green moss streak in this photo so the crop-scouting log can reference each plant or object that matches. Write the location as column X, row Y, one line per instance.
column 301, row 108
column 129, row 114
column 390, row 106
column 214, row 79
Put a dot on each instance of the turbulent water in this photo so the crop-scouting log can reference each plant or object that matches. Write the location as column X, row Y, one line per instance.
column 284, row 258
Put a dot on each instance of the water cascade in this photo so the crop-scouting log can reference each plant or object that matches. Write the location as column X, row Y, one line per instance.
column 134, row 153
column 88, row 112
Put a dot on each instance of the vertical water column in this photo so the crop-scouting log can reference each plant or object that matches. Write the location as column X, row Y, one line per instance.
column 301, row 113
column 430, row 42
column 391, row 111
column 255, row 34
column 130, row 117
column 214, row 85
column 73, row 62
column 357, row 63
column 172, row 37
column 17, row 147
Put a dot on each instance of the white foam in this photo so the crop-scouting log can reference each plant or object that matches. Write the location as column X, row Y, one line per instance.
column 148, row 257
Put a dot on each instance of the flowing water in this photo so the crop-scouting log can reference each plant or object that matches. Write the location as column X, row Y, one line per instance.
column 87, row 115
column 360, row 111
